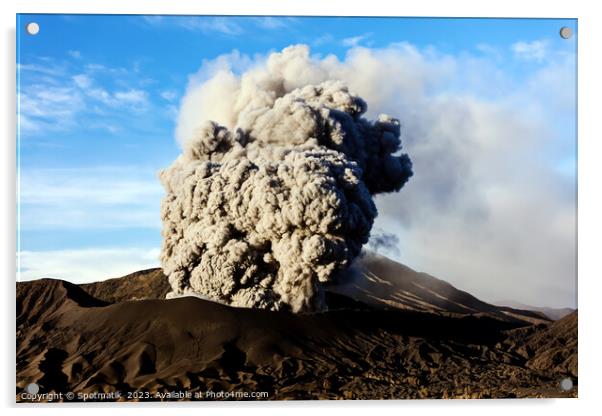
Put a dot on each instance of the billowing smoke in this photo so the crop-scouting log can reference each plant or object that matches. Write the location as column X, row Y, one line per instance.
column 383, row 242
column 264, row 210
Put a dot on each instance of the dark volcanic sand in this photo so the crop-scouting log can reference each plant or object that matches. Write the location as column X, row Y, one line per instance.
column 69, row 340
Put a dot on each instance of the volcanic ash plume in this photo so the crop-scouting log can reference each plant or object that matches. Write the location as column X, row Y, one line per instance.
column 262, row 214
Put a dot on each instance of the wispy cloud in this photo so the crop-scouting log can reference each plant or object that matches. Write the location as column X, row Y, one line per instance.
column 273, row 22
column 82, row 81
column 85, row 265
column 47, row 107
column 489, row 50
column 74, row 54
column 355, row 40
column 89, row 198
column 222, row 25
column 55, row 97
column 44, row 69
column 536, row 50
column 208, row 24
column 114, row 71
column 169, row 95
column 134, row 98
column 324, row 39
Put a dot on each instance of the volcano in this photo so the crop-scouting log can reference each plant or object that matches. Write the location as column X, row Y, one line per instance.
column 390, row 333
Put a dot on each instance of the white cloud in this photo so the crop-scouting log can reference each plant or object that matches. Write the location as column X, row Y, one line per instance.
column 94, row 68
column 100, row 94
column 169, row 95
column 536, row 50
column 172, row 112
column 74, row 54
column 89, row 198
column 323, row 39
column 487, row 209
column 110, row 128
column 132, row 96
column 272, row 23
column 44, row 69
column 47, row 107
column 355, row 40
column 489, row 50
column 85, row 265
column 223, row 25
column 82, row 80
column 53, row 98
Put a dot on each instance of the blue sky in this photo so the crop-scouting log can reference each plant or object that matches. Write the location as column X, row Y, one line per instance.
column 99, row 97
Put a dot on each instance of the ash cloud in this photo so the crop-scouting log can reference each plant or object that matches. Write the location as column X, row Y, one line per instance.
column 488, row 153
column 383, row 242
column 273, row 193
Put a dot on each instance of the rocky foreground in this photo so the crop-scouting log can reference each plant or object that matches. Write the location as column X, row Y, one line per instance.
column 120, row 336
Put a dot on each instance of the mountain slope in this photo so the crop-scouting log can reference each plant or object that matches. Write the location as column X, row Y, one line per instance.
column 69, row 341
column 554, row 314
column 374, row 280
column 379, row 281
column 144, row 284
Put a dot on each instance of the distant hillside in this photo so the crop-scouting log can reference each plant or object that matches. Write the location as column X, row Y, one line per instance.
column 144, row 284
column 374, row 280
column 552, row 313
column 379, row 281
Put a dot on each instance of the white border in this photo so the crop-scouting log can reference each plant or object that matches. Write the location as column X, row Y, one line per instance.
column 590, row 205
column 467, row 8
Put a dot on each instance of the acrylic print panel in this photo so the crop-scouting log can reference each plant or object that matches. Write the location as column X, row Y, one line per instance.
column 268, row 208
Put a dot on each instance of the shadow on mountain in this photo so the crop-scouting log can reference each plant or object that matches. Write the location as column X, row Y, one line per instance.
column 443, row 344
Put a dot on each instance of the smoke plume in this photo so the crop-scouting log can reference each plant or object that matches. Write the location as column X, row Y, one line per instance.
column 383, row 242
column 263, row 209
